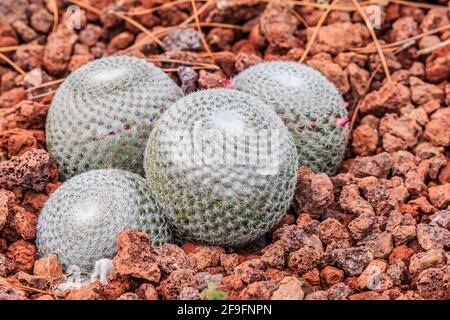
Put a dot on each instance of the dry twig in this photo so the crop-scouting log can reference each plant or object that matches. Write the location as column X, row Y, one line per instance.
column 375, row 39
column 12, row 64
column 316, row 30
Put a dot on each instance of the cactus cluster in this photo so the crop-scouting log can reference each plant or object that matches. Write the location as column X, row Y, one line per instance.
column 310, row 106
column 223, row 165
column 81, row 219
column 102, row 114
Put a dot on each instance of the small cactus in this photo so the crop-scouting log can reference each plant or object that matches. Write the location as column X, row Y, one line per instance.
column 103, row 112
column 309, row 104
column 234, row 195
column 82, row 217
column 212, row 292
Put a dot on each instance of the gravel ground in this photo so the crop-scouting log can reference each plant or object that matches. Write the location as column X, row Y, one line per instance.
column 379, row 229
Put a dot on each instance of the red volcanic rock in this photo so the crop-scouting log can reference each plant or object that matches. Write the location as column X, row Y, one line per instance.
column 135, row 256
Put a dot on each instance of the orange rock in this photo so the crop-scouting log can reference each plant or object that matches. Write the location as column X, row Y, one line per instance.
column 332, row 72
column 8, row 36
column 338, row 37
column 368, row 295
column 43, row 297
column 18, row 141
column 26, row 115
column 390, row 97
column 121, row 41
column 58, row 50
column 51, row 187
column 7, row 200
column 32, row 170
column 88, row 292
column 12, row 97
column 78, row 60
column 290, row 289
column 312, row 277
column 147, row 292
column 437, row 130
column 23, row 255
column 261, row 290
column 434, row 283
column 412, row 209
column 440, row 195
column 134, row 256
column 276, row 274
column 209, row 80
column 29, row 57
column 25, row 223
column 49, row 268
column 229, row 262
column 171, row 287
column 437, row 66
column 34, row 201
column 117, row 286
column 331, row 275
column 370, row 277
column 444, row 174
column 206, row 257
column 401, row 253
column 232, row 286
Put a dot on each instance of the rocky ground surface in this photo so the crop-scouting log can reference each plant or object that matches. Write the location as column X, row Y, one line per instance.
column 379, row 229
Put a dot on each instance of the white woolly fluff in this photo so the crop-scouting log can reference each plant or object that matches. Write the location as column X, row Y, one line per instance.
column 228, row 120
column 103, row 268
column 289, row 80
column 108, row 75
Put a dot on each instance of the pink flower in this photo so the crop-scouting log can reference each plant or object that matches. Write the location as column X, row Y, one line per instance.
column 342, row 121
column 344, row 104
column 228, row 84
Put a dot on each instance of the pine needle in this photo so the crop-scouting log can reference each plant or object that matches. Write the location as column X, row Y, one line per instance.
column 139, row 26
column 299, row 17
column 316, row 30
column 14, row 48
column 197, row 13
column 52, row 5
column 25, row 288
column 164, row 31
column 375, row 39
column 199, row 29
column 371, row 49
column 432, row 48
column 194, row 68
column 419, row 5
column 324, row 6
column 369, row 82
column 183, row 62
column 44, row 85
column 86, row 6
column 12, row 64
column 43, row 95
column 121, row 16
column 157, row 8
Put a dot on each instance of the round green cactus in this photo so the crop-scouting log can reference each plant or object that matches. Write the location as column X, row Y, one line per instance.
column 308, row 103
column 81, row 219
column 223, row 166
column 103, row 112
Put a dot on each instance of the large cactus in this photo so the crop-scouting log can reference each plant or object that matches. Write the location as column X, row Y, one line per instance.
column 103, row 112
column 81, row 219
column 223, row 166
column 309, row 104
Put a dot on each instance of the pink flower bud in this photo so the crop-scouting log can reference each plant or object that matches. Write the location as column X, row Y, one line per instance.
column 228, row 84
column 342, row 121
